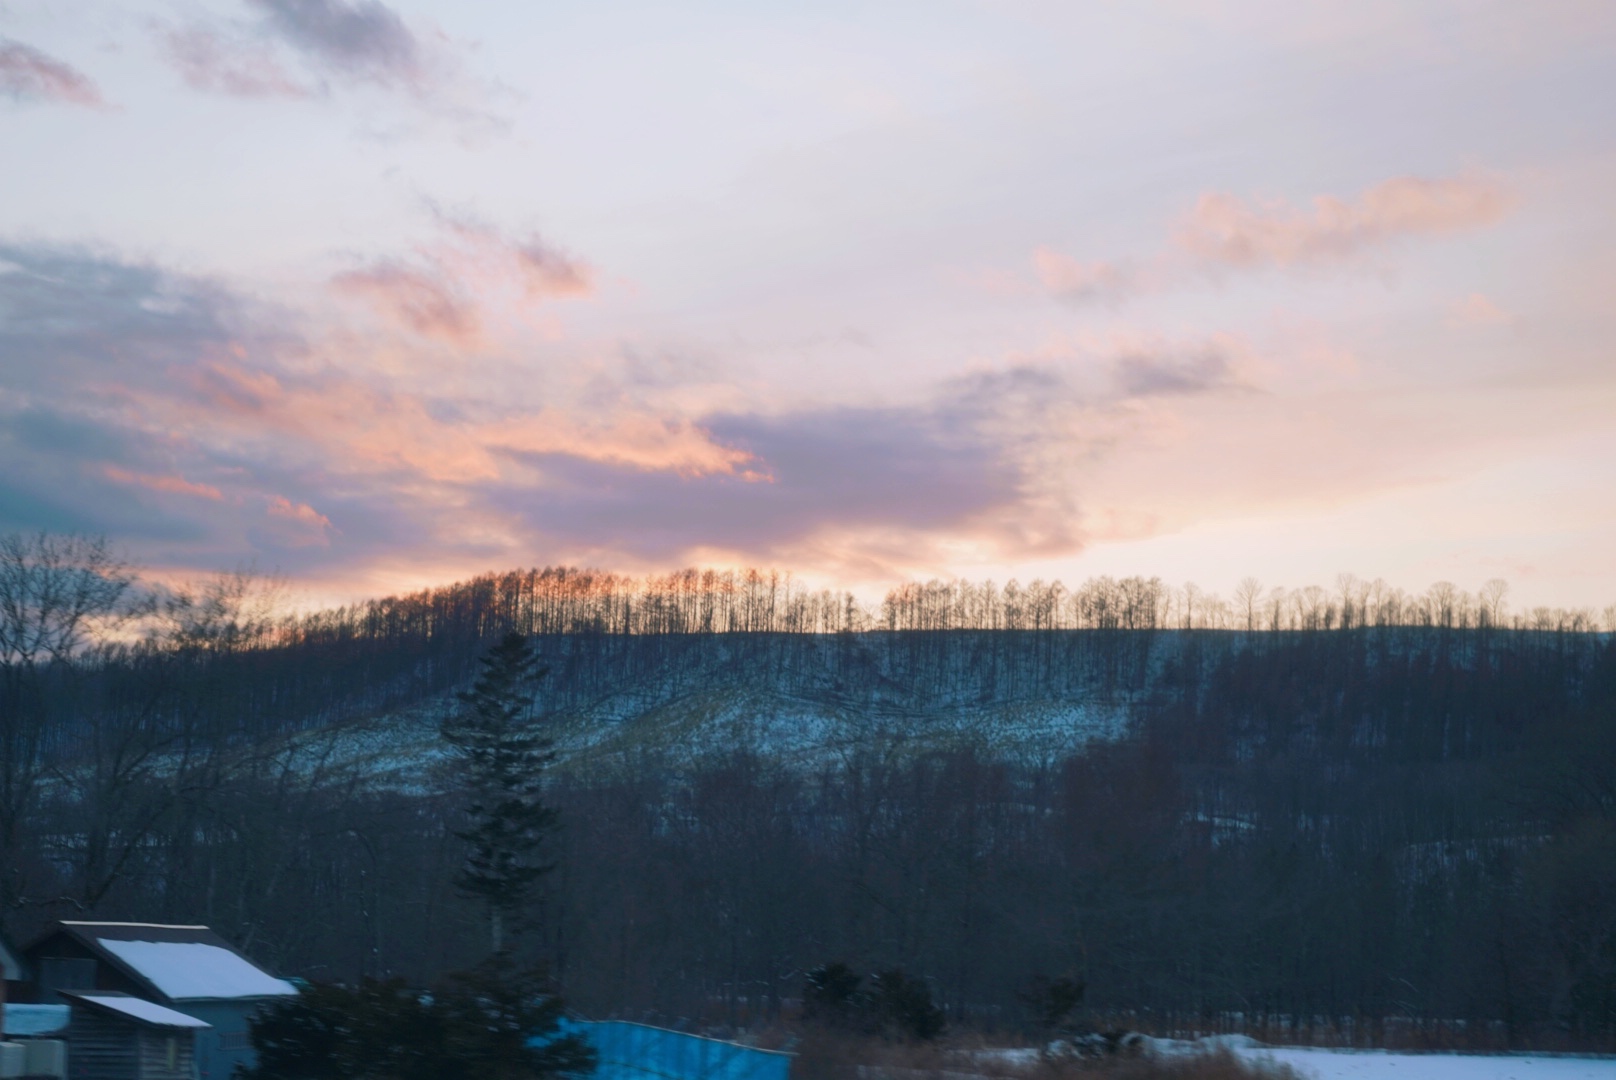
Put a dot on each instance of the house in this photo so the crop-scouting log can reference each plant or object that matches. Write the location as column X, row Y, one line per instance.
column 116, row 1036
column 188, row 969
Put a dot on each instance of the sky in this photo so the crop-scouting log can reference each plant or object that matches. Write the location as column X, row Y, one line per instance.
column 379, row 295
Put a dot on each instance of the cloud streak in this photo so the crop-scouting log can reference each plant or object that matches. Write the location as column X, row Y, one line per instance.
column 364, row 40
column 1223, row 233
column 449, row 289
column 31, row 76
column 174, row 484
column 306, row 50
column 211, row 62
column 1223, row 229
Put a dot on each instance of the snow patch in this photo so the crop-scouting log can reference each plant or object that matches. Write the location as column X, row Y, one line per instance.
column 188, row 969
column 140, row 1009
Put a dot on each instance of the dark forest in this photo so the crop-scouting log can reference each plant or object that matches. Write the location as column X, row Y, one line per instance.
column 1338, row 807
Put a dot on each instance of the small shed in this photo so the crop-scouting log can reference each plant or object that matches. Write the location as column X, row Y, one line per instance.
column 115, row 1036
column 186, row 968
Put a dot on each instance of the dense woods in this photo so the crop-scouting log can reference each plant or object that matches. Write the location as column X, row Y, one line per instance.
column 1348, row 805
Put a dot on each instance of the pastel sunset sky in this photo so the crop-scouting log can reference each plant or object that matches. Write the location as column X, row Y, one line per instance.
column 387, row 294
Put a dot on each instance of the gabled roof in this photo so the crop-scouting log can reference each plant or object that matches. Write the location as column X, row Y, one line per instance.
column 128, row 1007
column 177, row 963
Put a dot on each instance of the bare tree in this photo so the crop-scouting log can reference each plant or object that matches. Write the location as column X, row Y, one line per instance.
column 58, row 596
column 1247, row 598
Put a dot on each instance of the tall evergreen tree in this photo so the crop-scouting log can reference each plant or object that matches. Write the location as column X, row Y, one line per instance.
column 503, row 755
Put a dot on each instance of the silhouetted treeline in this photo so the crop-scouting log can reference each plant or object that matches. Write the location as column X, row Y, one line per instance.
column 560, row 600
column 601, row 632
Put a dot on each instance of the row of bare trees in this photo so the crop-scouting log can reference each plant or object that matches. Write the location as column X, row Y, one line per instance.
column 559, row 600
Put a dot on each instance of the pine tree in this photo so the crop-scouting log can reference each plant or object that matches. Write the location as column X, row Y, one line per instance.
column 503, row 755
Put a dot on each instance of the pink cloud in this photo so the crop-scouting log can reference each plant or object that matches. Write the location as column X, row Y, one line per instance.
column 1476, row 310
column 302, row 513
column 1225, row 229
column 26, row 74
column 551, row 273
column 209, row 62
column 425, row 302
column 1064, row 276
column 175, row 484
column 452, row 288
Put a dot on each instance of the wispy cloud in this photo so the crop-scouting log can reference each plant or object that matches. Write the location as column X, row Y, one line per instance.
column 314, row 49
column 1227, row 230
column 212, row 62
column 1477, row 310
column 425, row 301
column 445, row 289
column 1203, row 369
column 363, row 40
column 29, row 75
column 1065, row 277
column 1223, row 233
column 175, row 484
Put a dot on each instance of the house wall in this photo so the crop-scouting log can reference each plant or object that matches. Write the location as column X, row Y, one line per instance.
column 155, row 1060
column 62, row 946
column 100, row 1048
column 221, row 1049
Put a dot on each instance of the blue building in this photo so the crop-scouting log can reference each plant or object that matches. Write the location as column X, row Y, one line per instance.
column 189, row 969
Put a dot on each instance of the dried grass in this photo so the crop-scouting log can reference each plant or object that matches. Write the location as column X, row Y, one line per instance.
column 832, row 1056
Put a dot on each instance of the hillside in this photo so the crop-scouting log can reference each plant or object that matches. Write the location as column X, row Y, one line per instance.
column 1370, row 821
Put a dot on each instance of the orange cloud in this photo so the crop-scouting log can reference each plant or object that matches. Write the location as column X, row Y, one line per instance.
column 302, row 513
column 1224, row 229
column 176, row 484
column 638, row 441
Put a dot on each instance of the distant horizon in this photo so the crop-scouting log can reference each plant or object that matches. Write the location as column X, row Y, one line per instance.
column 1211, row 609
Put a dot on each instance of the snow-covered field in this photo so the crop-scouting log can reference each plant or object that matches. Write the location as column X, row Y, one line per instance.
column 1381, row 1065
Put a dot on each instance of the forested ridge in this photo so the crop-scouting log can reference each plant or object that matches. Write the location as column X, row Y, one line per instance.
column 1346, row 804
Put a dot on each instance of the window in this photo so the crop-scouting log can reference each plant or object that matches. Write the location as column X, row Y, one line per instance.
column 234, row 1040
column 172, row 1055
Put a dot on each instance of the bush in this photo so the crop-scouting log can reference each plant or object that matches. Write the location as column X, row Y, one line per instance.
column 495, row 1022
column 895, row 1004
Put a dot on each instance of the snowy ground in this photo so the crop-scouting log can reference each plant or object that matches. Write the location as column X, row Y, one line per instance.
column 1381, row 1065
column 1319, row 1064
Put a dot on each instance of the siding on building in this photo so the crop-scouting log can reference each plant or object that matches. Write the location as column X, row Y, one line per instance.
column 101, row 1048
column 168, row 1055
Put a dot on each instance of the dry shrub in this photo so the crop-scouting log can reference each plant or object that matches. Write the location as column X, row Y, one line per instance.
column 824, row 1055
column 1209, row 1065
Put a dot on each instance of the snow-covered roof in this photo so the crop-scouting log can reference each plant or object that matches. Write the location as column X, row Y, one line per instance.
column 168, row 962
column 147, row 1012
column 191, row 969
column 29, row 1021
